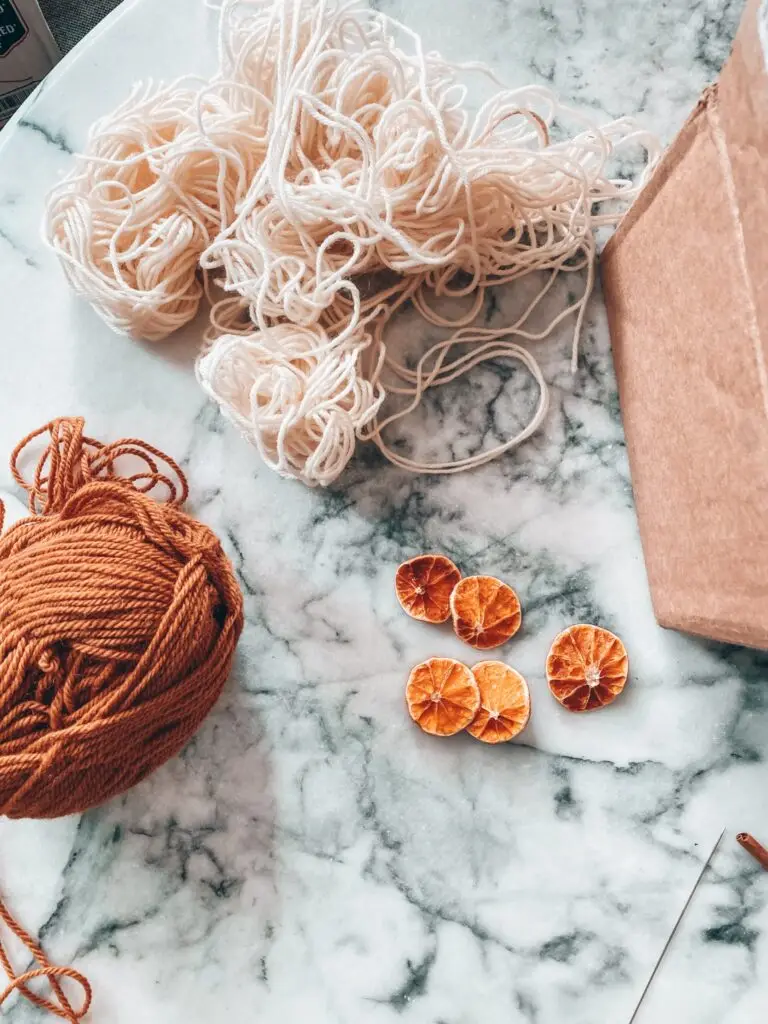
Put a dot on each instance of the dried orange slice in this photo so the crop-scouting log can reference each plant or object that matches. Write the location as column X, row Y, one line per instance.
column 424, row 586
column 505, row 703
column 442, row 696
column 587, row 667
column 486, row 612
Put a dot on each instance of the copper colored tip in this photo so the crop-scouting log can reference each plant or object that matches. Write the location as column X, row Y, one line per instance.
column 755, row 849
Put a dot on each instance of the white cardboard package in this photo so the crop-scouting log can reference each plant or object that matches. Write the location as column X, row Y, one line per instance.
column 27, row 53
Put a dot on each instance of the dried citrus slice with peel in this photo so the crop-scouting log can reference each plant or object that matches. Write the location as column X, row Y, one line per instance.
column 505, row 703
column 442, row 695
column 587, row 667
column 424, row 586
column 486, row 612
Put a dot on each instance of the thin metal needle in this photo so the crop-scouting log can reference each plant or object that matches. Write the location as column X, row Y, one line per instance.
column 680, row 917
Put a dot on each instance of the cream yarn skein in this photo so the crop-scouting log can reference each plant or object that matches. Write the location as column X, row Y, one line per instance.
column 331, row 173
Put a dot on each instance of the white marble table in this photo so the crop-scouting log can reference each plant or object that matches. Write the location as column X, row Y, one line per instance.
column 311, row 856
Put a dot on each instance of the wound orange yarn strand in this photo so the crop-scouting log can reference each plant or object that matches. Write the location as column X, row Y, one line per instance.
column 18, row 982
column 119, row 617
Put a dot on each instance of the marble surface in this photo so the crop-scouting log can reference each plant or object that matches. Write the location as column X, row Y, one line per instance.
column 311, row 856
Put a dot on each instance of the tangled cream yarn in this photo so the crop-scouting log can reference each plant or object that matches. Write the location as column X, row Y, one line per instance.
column 296, row 393
column 329, row 174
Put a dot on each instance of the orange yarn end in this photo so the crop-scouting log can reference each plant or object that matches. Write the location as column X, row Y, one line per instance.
column 119, row 617
column 18, row 982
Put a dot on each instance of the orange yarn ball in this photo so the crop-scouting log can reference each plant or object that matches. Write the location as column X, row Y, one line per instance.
column 119, row 618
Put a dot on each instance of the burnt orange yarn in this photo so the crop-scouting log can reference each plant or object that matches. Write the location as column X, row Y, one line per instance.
column 18, row 982
column 119, row 617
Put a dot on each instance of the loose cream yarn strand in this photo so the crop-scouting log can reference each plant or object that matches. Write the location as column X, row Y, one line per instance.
column 492, row 350
column 495, row 348
column 329, row 174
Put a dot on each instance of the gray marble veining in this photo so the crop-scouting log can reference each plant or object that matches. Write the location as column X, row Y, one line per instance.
column 311, row 856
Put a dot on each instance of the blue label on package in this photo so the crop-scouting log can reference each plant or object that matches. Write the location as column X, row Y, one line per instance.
column 12, row 27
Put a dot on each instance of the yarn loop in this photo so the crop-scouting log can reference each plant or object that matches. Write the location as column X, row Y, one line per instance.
column 62, row 1008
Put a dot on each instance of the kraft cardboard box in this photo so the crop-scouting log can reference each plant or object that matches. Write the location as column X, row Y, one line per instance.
column 27, row 53
column 685, row 279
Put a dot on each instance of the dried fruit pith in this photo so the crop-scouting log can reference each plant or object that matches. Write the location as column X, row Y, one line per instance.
column 505, row 703
column 442, row 696
column 486, row 612
column 587, row 667
column 424, row 586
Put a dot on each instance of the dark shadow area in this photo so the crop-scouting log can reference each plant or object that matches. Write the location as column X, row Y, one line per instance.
column 70, row 20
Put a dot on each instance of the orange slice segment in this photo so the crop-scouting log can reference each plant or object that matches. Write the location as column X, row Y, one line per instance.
column 486, row 612
column 442, row 695
column 424, row 586
column 505, row 703
column 587, row 667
